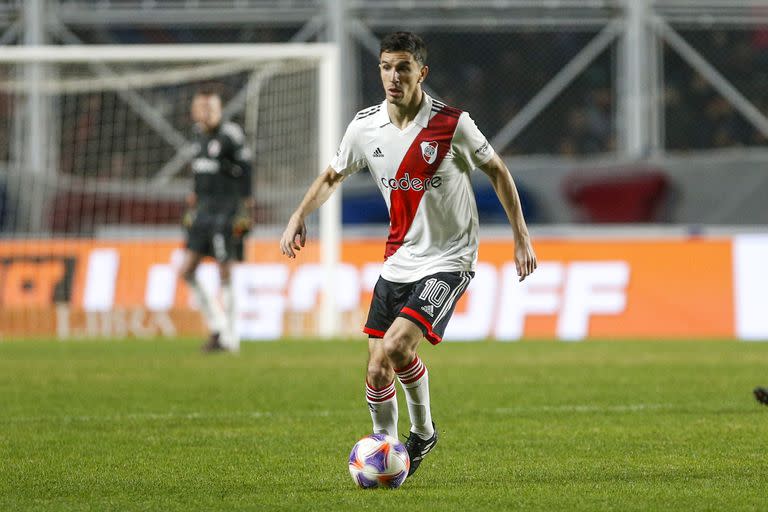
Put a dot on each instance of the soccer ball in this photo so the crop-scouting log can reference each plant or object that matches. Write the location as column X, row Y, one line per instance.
column 379, row 460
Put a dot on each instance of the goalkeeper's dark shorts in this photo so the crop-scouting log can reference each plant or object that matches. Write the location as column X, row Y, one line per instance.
column 212, row 235
column 428, row 302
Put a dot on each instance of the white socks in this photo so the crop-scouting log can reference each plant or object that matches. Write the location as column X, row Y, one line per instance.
column 383, row 402
column 383, row 406
column 212, row 312
column 415, row 381
column 230, row 335
column 218, row 320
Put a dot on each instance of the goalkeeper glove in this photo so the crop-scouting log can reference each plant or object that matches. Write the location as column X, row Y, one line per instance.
column 188, row 218
column 242, row 223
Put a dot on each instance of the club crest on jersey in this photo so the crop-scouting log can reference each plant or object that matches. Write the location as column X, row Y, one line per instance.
column 214, row 148
column 429, row 151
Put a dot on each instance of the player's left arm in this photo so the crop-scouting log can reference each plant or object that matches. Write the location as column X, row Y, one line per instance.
column 243, row 221
column 240, row 168
column 247, row 208
column 504, row 185
column 235, row 155
column 472, row 147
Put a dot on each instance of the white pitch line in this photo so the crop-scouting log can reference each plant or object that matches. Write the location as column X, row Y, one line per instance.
column 583, row 408
column 170, row 416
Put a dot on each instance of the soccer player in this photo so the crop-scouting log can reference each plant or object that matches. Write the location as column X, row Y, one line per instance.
column 219, row 214
column 420, row 153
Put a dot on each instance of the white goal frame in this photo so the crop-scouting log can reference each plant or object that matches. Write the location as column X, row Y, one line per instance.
column 329, row 112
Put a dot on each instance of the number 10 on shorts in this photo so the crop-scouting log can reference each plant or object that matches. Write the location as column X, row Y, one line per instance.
column 435, row 291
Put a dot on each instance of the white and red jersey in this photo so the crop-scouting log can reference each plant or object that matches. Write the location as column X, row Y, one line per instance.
column 423, row 172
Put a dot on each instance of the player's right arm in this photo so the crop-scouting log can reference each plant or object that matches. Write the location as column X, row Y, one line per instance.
column 190, row 210
column 348, row 160
column 295, row 234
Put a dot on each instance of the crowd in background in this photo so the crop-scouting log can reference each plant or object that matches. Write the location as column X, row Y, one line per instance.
column 697, row 117
column 494, row 74
column 494, row 85
column 497, row 74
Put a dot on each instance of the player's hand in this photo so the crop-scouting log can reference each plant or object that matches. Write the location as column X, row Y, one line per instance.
column 294, row 237
column 242, row 224
column 188, row 218
column 525, row 259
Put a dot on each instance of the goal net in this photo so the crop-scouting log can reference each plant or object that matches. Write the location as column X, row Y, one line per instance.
column 95, row 146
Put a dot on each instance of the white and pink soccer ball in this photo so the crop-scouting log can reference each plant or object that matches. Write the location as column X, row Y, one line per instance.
column 379, row 460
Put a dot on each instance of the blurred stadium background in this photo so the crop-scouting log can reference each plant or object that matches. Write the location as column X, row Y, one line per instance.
column 636, row 131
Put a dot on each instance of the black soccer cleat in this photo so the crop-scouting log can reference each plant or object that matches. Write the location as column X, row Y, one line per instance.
column 761, row 395
column 418, row 448
column 213, row 344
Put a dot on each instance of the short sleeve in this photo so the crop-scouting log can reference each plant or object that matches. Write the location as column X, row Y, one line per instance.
column 470, row 144
column 349, row 159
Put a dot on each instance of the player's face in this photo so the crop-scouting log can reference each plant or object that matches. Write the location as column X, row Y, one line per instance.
column 206, row 111
column 401, row 76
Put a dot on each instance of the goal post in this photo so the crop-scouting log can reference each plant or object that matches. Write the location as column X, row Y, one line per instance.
column 116, row 123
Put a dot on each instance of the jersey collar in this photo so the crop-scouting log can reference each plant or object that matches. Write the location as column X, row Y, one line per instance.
column 421, row 119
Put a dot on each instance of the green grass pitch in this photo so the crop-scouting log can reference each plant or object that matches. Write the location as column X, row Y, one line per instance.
column 156, row 425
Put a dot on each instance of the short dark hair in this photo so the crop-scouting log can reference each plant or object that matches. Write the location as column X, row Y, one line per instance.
column 405, row 42
column 209, row 89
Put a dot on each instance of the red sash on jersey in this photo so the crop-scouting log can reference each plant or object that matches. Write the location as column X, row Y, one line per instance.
column 404, row 203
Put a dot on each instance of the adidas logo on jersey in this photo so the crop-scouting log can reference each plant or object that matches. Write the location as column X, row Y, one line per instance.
column 428, row 309
column 378, row 153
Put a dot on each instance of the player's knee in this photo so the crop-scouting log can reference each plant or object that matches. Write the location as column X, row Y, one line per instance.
column 398, row 349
